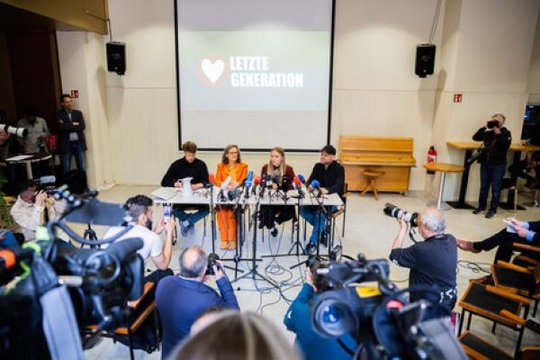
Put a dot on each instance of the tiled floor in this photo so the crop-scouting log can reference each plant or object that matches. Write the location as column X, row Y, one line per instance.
column 368, row 231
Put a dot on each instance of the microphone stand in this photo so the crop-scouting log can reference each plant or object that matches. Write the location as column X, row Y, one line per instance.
column 297, row 242
column 237, row 257
column 253, row 271
column 213, row 219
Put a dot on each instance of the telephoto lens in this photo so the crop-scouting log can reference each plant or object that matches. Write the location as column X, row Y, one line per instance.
column 395, row 212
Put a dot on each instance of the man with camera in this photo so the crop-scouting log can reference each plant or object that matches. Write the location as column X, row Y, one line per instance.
column 182, row 299
column 141, row 210
column 188, row 167
column 432, row 262
column 496, row 142
column 298, row 320
column 32, row 209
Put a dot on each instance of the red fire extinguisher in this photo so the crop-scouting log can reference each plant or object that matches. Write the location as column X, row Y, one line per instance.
column 431, row 157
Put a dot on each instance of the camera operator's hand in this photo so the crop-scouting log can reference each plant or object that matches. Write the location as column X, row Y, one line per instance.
column 404, row 225
column 497, row 130
column 514, row 222
column 218, row 270
column 40, row 198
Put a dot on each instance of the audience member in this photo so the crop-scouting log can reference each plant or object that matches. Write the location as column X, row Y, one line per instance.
column 71, row 140
column 231, row 165
column 496, row 142
column 38, row 131
column 331, row 177
column 282, row 176
column 141, row 210
column 242, row 336
column 517, row 231
column 298, row 320
column 188, row 167
column 432, row 262
column 32, row 209
column 182, row 299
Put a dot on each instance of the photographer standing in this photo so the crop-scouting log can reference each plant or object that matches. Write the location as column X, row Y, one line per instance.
column 182, row 299
column 496, row 142
column 433, row 261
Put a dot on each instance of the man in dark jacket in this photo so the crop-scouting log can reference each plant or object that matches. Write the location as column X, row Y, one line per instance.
column 527, row 233
column 331, row 177
column 496, row 142
column 432, row 262
column 182, row 299
column 71, row 141
column 188, row 167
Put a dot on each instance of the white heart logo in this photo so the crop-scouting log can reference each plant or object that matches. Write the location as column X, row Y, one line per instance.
column 213, row 70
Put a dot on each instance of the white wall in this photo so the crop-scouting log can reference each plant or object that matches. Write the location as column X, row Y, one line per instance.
column 375, row 90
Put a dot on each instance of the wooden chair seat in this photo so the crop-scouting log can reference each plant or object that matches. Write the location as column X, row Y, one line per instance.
column 372, row 176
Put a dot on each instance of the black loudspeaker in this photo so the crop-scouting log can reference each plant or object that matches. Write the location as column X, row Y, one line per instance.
column 116, row 57
column 425, row 60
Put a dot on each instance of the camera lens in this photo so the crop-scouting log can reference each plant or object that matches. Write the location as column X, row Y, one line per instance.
column 333, row 318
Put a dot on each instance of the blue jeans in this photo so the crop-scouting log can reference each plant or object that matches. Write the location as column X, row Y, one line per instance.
column 76, row 149
column 316, row 218
column 191, row 217
column 491, row 175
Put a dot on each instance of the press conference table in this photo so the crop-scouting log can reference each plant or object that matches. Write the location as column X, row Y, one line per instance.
column 203, row 197
column 469, row 146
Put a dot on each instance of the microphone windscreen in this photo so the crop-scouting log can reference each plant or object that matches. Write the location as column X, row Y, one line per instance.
column 297, row 181
column 315, row 184
column 211, row 179
column 257, row 180
column 249, row 179
column 302, row 178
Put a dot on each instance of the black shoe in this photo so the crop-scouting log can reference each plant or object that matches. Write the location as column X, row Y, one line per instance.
column 477, row 211
column 274, row 232
column 490, row 214
column 310, row 249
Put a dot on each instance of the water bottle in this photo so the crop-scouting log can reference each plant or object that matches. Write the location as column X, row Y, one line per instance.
column 167, row 212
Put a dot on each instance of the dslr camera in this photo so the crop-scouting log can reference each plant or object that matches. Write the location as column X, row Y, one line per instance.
column 212, row 260
column 492, row 124
column 20, row 132
column 395, row 212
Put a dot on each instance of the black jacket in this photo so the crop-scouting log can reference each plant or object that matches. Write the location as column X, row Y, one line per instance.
column 65, row 127
column 496, row 146
column 181, row 169
column 332, row 178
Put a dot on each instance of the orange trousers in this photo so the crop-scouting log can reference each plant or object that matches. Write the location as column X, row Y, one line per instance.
column 227, row 226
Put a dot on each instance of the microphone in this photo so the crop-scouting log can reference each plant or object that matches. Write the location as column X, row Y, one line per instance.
column 257, row 183
column 225, row 183
column 316, row 185
column 249, row 183
column 297, row 184
column 268, row 181
column 302, row 179
column 285, row 184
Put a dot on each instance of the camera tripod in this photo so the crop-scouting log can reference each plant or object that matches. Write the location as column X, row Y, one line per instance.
column 90, row 234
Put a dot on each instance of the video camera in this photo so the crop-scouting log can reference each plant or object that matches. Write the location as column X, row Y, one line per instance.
column 395, row 212
column 69, row 288
column 46, row 183
column 20, row 132
column 380, row 317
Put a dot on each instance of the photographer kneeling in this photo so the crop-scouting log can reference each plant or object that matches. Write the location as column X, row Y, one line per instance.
column 433, row 261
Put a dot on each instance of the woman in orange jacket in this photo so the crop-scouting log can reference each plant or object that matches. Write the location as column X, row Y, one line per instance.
column 230, row 165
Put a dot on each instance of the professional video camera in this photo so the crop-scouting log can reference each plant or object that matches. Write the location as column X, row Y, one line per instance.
column 20, row 132
column 393, row 211
column 69, row 288
column 46, row 183
column 380, row 317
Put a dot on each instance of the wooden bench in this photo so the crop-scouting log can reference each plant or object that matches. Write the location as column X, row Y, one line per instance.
column 393, row 155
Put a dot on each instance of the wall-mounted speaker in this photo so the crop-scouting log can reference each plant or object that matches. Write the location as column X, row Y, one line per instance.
column 425, row 60
column 116, row 57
